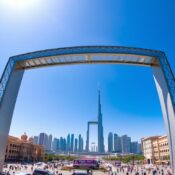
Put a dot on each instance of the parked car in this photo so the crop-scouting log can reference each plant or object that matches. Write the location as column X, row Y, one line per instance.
column 41, row 172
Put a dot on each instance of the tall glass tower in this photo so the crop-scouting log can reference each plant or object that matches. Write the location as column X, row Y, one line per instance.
column 100, row 127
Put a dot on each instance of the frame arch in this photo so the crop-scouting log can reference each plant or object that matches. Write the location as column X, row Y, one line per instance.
column 16, row 65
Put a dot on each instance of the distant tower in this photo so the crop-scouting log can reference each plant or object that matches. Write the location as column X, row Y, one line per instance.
column 117, row 144
column 76, row 145
column 80, row 143
column 68, row 142
column 72, row 142
column 100, row 127
column 110, row 142
column 35, row 139
column 99, row 122
column 50, row 142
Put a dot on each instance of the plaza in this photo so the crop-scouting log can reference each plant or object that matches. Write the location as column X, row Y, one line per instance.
column 129, row 169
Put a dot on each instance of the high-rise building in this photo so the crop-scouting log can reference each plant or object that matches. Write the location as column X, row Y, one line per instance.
column 61, row 147
column 117, row 144
column 80, row 143
column 43, row 140
column 46, row 142
column 50, row 142
column 99, row 123
column 64, row 144
column 72, row 142
column 110, row 142
column 68, row 142
column 100, row 127
column 125, row 144
column 76, row 145
column 135, row 148
column 58, row 145
column 35, row 140
column 55, row 145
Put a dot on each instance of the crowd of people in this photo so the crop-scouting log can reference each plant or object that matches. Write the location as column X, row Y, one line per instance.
column 55, row 169
column 142, row 170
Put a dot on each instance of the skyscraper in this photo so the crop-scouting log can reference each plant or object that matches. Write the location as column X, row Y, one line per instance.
column 55, row 144
column 50, row 142
column 126, row 144
column 62, row 144
column 44, row 140
column 68, row 142
column 117, row 144
column 72, row 142
column 100, row 127
column 76, row 145
column 135, row 148
column 110, row 142
column 80, row 143
column 41, row 138
column 35, row 140
column 58, row 145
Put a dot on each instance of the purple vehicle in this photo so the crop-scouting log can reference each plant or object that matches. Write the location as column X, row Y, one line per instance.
column 85, row 163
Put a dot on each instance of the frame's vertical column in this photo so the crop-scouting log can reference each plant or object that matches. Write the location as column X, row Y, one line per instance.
column 6, row 109
column 168, row 110
column 87, row 140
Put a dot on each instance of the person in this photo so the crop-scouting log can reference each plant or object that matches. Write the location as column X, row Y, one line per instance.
column 154, row 172
column 169, row 173
column 137, row 173
column 162, row 172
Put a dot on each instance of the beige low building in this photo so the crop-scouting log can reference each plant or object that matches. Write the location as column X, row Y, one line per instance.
column 23, row 150
column 147, row 147
column 161, row 149
column 155, row 149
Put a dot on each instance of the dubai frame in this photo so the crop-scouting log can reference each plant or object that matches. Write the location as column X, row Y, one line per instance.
column 16, row 65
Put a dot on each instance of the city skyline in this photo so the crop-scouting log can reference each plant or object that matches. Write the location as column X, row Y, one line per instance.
column 98, row 131
column 76, row 143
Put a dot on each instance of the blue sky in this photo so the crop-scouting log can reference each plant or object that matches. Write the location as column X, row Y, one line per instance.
column 59, row 100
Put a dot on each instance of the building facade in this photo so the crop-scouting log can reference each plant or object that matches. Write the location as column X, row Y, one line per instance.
column 161, row 150
column 76, row 145
column 117, row 144
column 110, row 142
column 23, row 150
column 135, row 148
column 72, row 142
column 68, row 142
column 126, row 144
column 80, row 143
column 35, row 140
column 147, row 146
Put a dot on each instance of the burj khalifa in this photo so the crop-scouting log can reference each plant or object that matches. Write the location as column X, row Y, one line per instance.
column 100, row 127
column 99, row 123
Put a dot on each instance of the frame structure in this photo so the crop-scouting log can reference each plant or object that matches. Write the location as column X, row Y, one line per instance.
column 16, row 65
column 88, row 129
